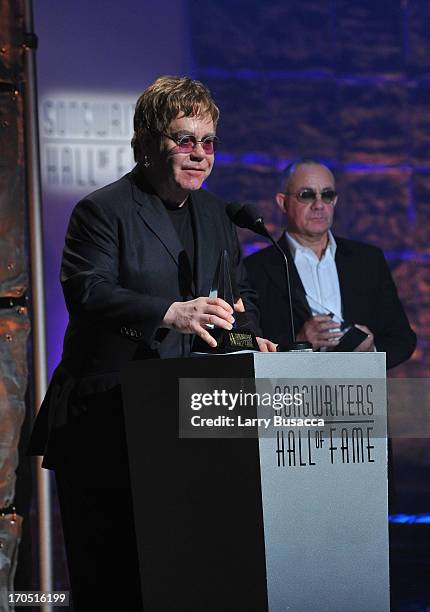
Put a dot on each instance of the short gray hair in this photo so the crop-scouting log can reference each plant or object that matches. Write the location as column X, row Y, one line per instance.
column 291, row 168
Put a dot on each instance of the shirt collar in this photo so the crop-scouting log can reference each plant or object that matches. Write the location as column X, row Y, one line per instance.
column 296, row 247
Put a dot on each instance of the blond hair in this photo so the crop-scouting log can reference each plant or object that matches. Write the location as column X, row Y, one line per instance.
column 164, row 100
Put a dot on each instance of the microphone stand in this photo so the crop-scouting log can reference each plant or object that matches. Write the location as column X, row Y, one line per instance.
column 261, row 229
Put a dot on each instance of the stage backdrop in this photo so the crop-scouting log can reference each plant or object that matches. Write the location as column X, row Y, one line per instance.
column 346, row 82
column 343, row 81
column 94, row 59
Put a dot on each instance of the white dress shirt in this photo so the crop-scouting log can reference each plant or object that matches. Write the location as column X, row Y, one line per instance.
column 319, row 277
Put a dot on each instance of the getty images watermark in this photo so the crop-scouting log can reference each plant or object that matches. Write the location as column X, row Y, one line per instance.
column 242, row 408
column 248, row 408
column 233, row 401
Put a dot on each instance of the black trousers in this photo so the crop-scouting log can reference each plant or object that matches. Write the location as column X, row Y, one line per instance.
column 96, row 507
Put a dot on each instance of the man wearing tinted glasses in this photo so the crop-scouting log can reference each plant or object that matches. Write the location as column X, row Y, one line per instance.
column 137, row 269
column 333, row 280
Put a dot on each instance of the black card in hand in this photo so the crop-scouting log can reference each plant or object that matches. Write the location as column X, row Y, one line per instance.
column 350, row 340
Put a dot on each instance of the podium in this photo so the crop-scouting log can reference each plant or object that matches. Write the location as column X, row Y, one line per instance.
column 292, row 516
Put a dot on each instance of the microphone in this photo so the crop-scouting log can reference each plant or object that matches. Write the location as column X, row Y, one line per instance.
column 248, row 217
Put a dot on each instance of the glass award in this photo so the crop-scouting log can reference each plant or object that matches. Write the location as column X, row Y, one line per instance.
column 241, row 337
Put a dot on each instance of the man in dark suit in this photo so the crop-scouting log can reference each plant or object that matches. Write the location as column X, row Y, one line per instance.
column 332, row 279
column 137, row 267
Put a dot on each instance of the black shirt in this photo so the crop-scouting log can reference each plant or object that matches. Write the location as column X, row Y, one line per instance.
column 182, row 222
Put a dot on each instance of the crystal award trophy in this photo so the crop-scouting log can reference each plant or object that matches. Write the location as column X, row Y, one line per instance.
column 240, row 338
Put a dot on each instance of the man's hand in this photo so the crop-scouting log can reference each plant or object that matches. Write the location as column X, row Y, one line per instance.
column 192, row 317
column 266, row 346
column 317, row 331
column 239, row 306
column 368, row 345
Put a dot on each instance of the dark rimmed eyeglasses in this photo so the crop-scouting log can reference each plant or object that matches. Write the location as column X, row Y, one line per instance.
column 188, row 142
column 310, row 196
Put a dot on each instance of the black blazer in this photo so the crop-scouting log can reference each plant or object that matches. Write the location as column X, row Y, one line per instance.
column 369, row 296
column 122, row 268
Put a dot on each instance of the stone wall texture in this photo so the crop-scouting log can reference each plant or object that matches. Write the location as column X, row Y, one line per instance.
column 14, row 319
column 346, row 82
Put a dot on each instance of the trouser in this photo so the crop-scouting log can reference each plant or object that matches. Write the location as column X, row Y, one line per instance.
column 96, row 508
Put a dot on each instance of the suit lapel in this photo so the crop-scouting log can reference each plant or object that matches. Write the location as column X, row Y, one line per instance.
column 153, row 213
column 298, row 294
column 347, row 280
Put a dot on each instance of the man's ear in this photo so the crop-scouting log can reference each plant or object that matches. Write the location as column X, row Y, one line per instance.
column 281, row 201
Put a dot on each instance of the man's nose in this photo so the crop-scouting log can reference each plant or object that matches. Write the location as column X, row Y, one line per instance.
column 198, row 151
column 318, row 203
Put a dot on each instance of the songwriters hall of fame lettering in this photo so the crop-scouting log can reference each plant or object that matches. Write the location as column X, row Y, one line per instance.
column 328, row 400
column 345, row 445
column 348, row 431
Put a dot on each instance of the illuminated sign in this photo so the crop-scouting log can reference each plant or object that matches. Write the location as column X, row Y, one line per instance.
column 85, row 140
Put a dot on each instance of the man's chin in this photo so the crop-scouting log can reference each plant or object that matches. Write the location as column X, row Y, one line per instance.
column 319, row 228
column 315, row 232
column 192, row 184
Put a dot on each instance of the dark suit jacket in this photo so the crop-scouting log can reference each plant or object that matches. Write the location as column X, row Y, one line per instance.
column 369, row 296
column 122, row 267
